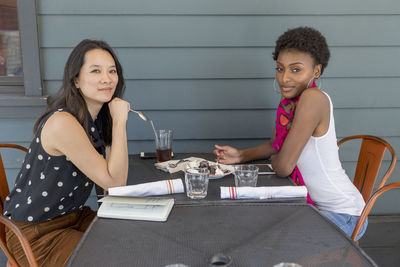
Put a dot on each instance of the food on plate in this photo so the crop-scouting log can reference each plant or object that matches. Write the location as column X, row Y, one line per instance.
column 215, row 170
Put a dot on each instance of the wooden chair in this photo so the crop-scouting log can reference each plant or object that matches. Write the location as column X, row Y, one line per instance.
column 4, row 221
column 369, row 162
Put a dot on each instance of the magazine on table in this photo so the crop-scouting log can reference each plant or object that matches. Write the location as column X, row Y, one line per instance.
column 135, row 208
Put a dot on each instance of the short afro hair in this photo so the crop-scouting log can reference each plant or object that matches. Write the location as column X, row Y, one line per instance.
column 304, row 39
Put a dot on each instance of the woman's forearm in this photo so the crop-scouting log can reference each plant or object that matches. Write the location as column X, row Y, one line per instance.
column 118, row 162
column 262, row 151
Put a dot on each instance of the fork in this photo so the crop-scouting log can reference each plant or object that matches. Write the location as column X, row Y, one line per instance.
column 174, row 165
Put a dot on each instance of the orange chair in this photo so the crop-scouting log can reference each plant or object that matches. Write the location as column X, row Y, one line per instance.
column 4, row 221
column 369, row 162
column 370, row 204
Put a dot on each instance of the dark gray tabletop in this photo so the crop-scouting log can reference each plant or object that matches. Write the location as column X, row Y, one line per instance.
column 249, row 234
column 143, row 171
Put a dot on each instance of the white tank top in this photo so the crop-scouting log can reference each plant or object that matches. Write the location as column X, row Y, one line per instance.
column 327, row 182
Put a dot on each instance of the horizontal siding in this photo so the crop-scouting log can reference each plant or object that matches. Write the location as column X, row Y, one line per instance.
column 16, row 130
column 215, row 31
column 387, row 203
column 253, row 93
column 22, row 112
column 206, row 63
column 221, row 7
column 230, row 124
column 256, row 123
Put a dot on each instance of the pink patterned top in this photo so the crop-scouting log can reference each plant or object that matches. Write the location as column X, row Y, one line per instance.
column 284, row 118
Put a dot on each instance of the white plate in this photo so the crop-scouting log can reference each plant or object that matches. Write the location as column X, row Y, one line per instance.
column 230, row 169
column 194, row 162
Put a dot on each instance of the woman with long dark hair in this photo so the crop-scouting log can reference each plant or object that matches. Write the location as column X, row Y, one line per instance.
column 80, row 140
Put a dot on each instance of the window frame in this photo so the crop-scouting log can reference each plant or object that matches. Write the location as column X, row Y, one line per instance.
column 23, row 96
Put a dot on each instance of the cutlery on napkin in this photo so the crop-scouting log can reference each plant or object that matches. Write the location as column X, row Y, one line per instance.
column 166, row 165
column 166, row 187
column 263, row 192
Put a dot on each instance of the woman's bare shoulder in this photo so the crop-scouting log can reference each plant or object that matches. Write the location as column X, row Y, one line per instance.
column 61, row 121
column 315, row 98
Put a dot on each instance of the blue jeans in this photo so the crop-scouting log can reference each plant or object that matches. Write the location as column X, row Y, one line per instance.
column 346, row 222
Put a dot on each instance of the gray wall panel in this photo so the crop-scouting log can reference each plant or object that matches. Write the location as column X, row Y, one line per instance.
column 249, row 93
column 251, row 7
column 387, row 203
column 348, row 152
column 229, row 62
column 215, row 31
column 215, row 124
column 16, row 131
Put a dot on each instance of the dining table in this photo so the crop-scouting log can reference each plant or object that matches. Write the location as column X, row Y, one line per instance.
column 216, row 232
column 144, row 171
column 221, row 234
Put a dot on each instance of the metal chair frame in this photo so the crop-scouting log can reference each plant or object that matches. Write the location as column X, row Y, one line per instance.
column 369, row 163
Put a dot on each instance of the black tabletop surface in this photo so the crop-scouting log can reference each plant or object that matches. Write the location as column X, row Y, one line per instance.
column 143, row 171
column 243, row 234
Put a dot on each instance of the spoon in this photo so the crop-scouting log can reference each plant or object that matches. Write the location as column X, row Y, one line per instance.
column 174, row 165
column 141, row 114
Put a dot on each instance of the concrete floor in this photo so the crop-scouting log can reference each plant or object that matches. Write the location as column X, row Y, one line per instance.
column 381, row 241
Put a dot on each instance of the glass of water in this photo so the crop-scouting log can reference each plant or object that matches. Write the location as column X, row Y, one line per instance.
column 246, row 175
column 196, row 180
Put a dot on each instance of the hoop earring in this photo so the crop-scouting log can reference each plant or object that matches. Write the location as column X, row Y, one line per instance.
column 274, row 85
column 310, row 82
column 313, row 80
column 320, row 83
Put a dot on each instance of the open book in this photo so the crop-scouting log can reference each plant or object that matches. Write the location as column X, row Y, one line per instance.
column 135, row 208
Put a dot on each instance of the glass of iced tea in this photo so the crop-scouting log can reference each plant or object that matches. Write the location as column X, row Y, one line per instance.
column 163, row 145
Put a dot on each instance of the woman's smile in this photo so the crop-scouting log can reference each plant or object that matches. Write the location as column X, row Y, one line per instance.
column 294, row 71
column 107, row 90
column 287, row 88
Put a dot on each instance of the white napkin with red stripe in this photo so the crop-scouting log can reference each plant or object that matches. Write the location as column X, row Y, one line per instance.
column 166, row 187
column 263, row 192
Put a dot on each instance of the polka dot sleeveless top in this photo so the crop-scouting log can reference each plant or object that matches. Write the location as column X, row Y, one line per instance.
column 49, row 186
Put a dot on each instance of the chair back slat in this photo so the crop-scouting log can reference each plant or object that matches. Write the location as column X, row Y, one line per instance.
column 368, row 165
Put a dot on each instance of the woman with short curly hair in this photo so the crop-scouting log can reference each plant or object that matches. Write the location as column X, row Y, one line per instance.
column 303, row 144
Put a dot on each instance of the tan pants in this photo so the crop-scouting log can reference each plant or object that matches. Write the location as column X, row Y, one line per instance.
column 52, row 241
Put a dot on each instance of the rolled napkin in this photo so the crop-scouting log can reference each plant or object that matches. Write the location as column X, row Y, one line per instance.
column 165, row 166
column 166, row 187
column 263, row 192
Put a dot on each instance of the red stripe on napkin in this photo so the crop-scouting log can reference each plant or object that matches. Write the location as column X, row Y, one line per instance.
column 232, row 192
column 169, row 186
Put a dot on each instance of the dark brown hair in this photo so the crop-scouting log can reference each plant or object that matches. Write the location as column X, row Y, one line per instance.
column 70, row 98
column 304, row 39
